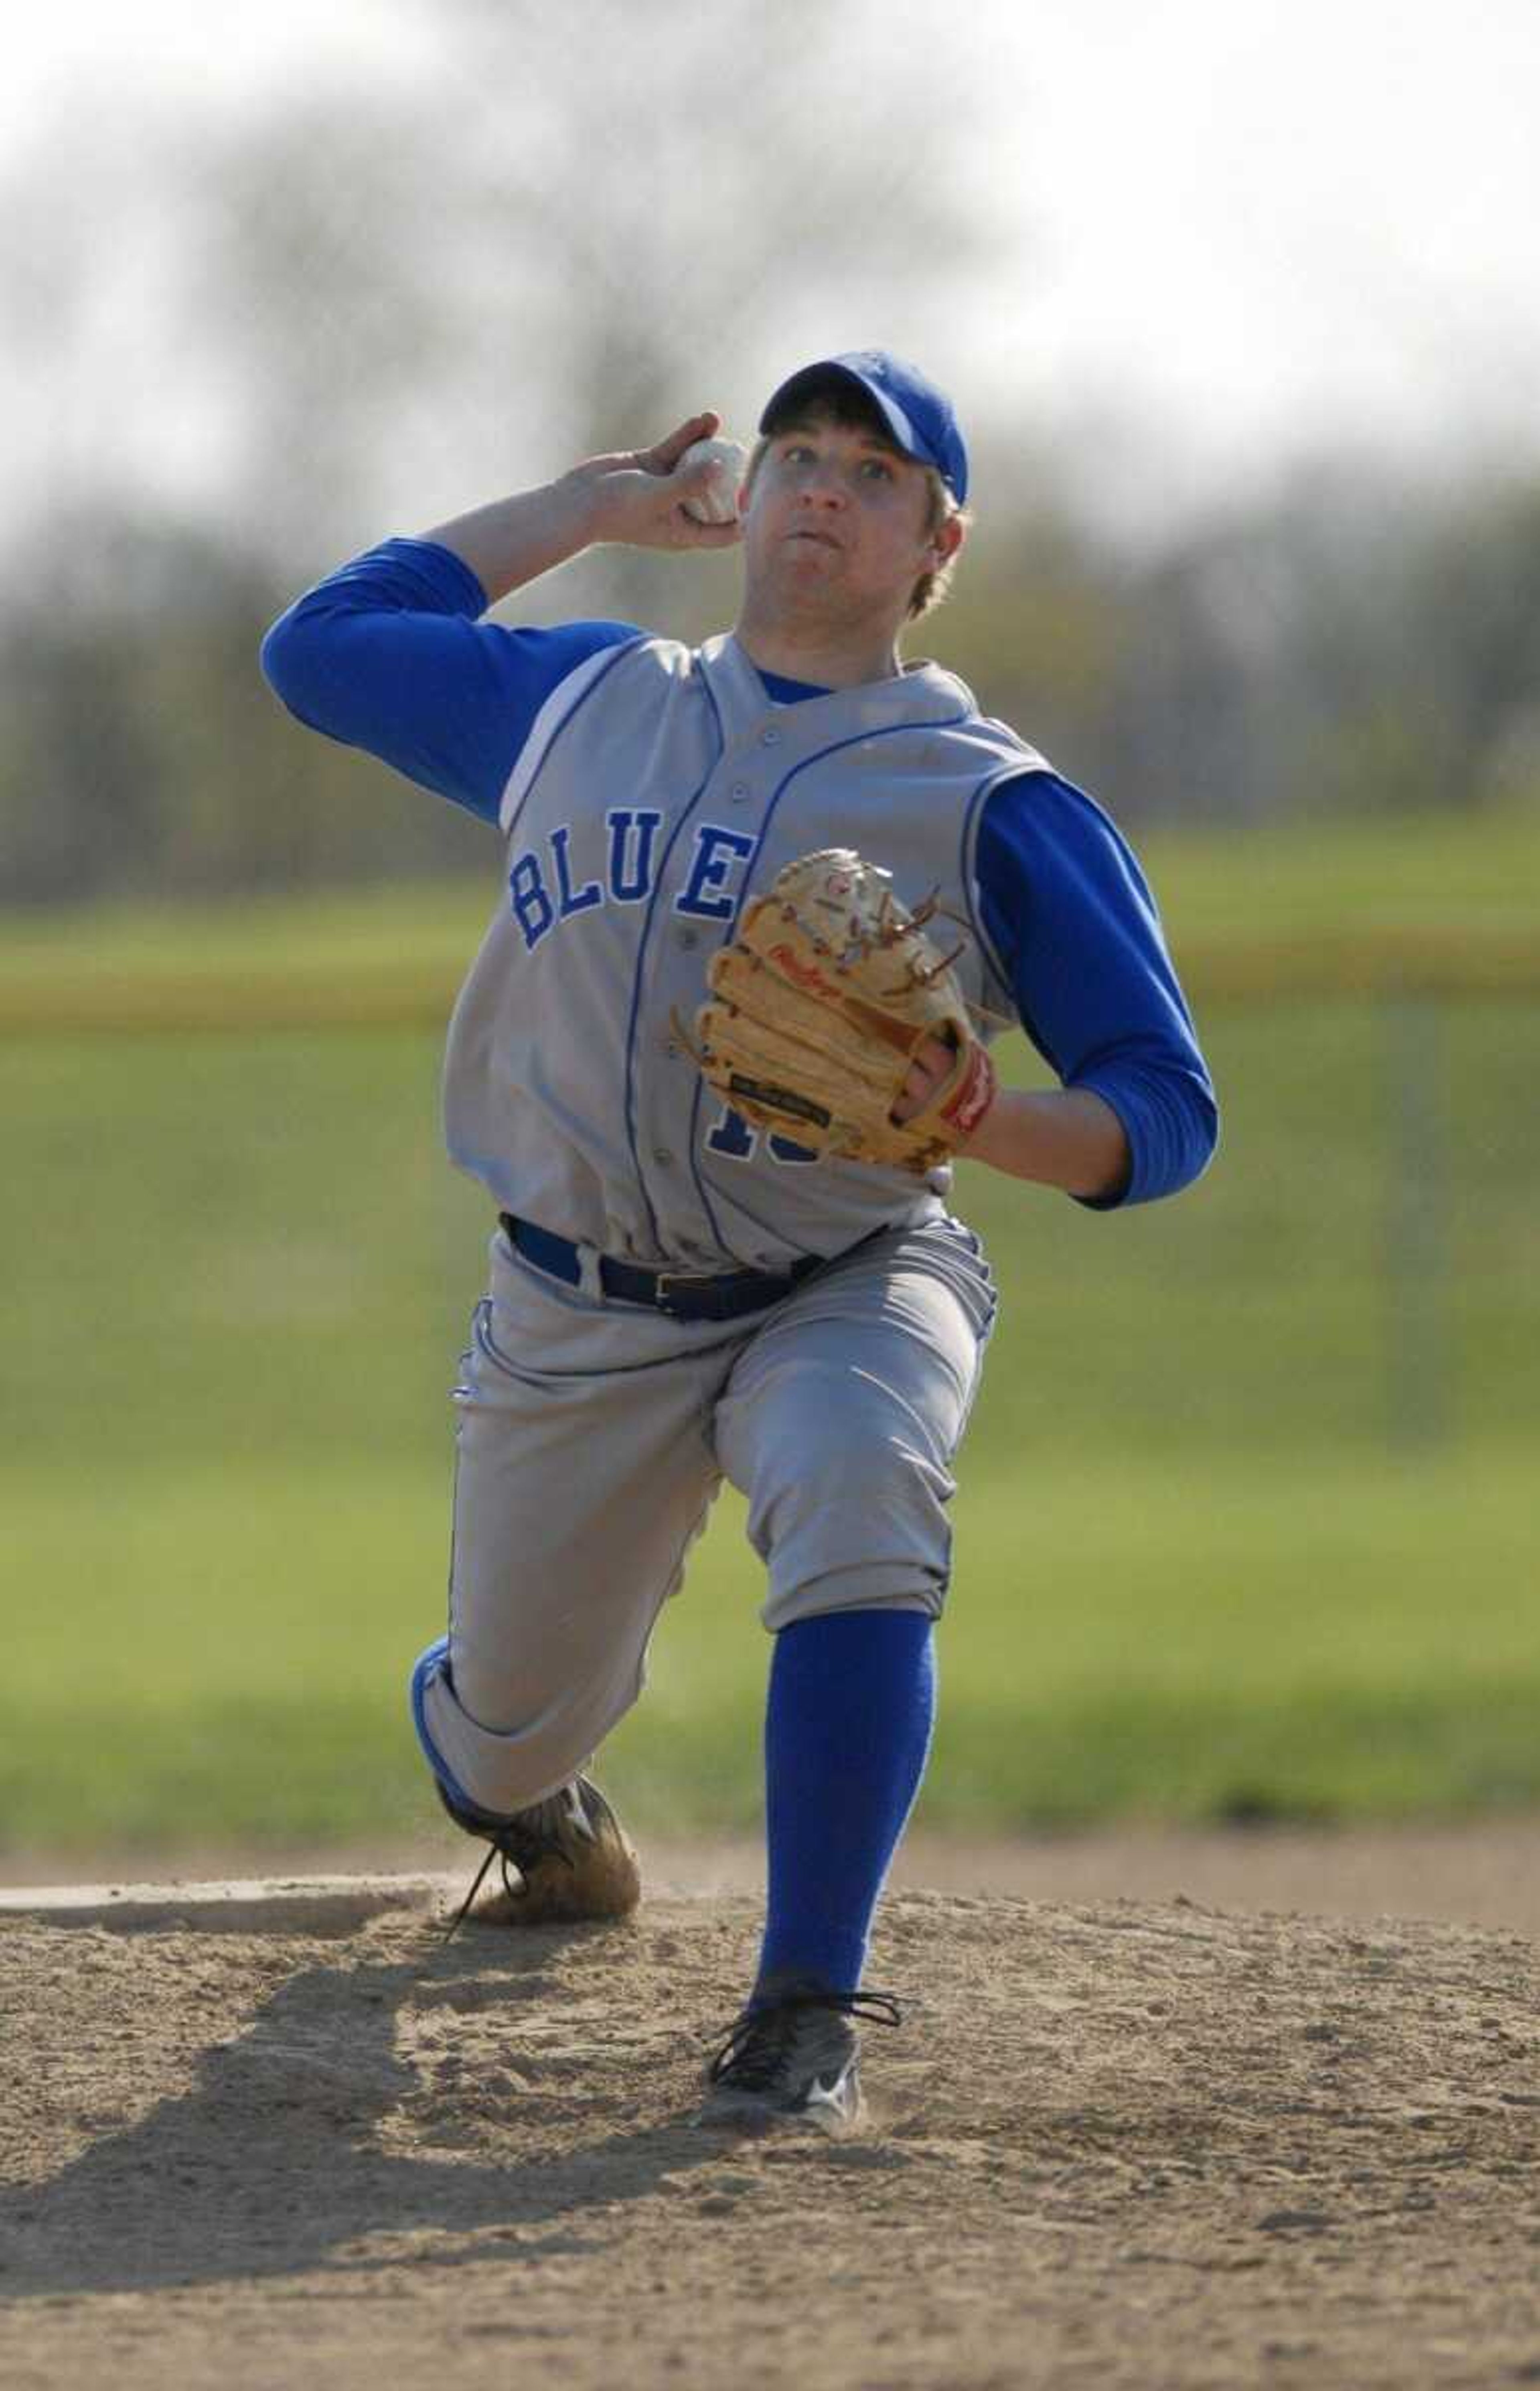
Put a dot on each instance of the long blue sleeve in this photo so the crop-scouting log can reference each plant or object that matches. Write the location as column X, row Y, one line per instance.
column 387, row 654
column 1072, row 920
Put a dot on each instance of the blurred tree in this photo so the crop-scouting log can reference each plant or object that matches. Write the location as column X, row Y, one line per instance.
column 1473, row 632
column 144, row 754
column 362, row 314
column 395, row 306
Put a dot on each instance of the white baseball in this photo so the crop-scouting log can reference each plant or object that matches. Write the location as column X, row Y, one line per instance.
column 717, row 501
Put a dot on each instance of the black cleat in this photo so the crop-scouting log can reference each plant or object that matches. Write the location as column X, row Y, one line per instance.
column 565, row 1858
column 794, row 2052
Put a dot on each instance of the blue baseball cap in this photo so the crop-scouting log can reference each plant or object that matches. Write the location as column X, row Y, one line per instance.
column 918, row 416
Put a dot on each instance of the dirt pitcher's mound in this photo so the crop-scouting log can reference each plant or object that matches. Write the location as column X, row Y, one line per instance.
column 1154, row 2145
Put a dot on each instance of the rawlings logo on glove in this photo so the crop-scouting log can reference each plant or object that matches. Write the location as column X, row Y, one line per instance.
column 819, row 1006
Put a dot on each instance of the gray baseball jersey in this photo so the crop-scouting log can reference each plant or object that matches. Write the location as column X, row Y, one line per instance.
column 658, row 788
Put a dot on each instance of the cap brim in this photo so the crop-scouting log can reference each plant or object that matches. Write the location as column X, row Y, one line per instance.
column 811, row 381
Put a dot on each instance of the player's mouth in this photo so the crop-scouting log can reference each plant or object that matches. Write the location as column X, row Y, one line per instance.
column 820, row 538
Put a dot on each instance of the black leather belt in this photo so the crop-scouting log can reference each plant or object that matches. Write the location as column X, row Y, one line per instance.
column 673, row 1292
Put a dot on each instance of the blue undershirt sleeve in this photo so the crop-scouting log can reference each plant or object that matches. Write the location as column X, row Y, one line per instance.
column 1072, row 917
column 389, row 654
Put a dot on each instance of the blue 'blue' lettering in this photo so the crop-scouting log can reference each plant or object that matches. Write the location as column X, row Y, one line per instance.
column 590, row 895
column 532, row 905
column 633, row 830
column 716, row 851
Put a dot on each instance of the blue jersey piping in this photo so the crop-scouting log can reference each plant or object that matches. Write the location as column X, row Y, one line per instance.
column 625, row 649
column 659, row 878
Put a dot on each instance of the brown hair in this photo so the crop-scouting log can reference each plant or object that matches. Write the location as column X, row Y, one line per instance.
column 842, row 405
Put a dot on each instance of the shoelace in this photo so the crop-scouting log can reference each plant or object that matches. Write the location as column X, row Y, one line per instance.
column 520, row 1841
column 757, row 2040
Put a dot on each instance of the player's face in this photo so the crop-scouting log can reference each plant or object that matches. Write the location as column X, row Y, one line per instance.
column 839, row 521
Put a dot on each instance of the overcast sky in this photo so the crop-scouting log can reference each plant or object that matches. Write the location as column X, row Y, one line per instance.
column 1241, row 231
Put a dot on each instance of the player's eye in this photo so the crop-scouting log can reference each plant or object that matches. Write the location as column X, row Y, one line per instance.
column 795, row 452
column 876, row 469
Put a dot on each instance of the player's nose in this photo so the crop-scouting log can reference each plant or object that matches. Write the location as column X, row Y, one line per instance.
column 823, row 486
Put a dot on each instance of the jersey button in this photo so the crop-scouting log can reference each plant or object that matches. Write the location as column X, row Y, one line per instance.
column 661, row 1154
column 690, row 937
column 769, row 737
column 738, row 792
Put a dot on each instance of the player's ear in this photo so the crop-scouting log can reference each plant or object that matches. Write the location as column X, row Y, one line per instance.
column 948, row 538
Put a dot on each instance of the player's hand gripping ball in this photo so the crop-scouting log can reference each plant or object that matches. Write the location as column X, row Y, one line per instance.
column 716, row 500
column 819, row 1005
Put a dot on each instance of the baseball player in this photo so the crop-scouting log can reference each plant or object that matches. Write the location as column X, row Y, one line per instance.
column 679, row 1293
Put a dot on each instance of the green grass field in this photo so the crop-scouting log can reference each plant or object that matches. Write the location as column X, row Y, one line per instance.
column 1247, row 1520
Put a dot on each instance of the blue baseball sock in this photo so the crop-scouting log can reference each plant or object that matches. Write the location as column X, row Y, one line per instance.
column 852, row 1699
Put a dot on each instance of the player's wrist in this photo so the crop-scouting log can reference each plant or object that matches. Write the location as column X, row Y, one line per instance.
column 584, row 507
column 1059, row 1137
column 967, row 1109
column 990, row 1136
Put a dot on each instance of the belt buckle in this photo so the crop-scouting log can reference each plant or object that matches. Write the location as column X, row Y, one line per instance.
column 668, row 1282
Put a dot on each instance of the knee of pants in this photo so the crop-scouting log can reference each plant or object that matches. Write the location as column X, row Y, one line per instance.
column 503, row 1769
column 855, row 1519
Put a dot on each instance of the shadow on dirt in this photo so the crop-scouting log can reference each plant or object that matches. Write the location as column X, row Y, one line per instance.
column 278, row 2159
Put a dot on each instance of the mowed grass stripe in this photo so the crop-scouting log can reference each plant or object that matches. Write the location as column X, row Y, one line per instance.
column 1441, row 902
column 229, row 1656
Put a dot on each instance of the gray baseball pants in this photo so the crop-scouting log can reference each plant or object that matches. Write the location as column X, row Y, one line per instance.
column 593, row 1435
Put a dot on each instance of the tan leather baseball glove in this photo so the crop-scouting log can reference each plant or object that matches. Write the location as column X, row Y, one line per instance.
column 819, row 1005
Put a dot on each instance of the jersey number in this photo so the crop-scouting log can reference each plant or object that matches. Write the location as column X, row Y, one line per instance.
column 733, row 1139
